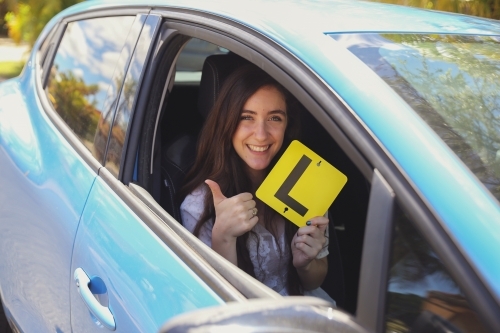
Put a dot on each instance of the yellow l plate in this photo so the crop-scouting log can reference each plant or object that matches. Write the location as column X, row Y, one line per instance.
column 302, row 185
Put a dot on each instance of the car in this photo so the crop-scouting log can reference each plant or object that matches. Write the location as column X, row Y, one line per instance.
column 100, row 128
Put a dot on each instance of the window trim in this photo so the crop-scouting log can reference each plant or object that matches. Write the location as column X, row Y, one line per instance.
column 376, row 255
column 117, row 10
column 51, row 52
column 131, row 42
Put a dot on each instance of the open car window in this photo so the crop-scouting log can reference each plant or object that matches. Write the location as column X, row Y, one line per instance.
column 189, row 65
column 178, row 105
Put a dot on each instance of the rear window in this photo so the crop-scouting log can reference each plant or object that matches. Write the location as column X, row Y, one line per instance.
column 452, row 82
column 82, row 74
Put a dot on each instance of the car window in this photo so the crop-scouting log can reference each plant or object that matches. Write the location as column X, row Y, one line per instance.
column 181, row 114
column 182, row 117
column 82, row 73
column 191, row 59
column 452, row 82
column 421, row 294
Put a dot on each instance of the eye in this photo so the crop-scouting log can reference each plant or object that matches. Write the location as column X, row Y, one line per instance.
column 246, row 117
column 276, row 118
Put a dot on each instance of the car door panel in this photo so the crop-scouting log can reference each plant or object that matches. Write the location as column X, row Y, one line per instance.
column 146, row 283
column 44, row 183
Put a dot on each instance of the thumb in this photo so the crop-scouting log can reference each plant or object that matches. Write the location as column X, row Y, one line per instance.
column 216, row 192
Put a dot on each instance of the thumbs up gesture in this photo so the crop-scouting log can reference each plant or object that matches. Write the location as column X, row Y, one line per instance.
column 233, row 216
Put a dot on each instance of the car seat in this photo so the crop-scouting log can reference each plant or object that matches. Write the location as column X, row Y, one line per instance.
column 179, row 153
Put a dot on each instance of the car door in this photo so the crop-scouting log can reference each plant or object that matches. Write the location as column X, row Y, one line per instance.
column 132, row 272
column 395, row 206
column 48, row 166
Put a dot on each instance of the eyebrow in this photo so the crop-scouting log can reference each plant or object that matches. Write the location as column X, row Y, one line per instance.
column 270, row 112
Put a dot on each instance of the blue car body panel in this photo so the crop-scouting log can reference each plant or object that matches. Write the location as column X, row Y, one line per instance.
column 44, row 185
column 43, row 198
column 146, row 282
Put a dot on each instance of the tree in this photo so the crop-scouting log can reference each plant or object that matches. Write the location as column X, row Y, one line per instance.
column 73, row 100
column 26, row 18
column 462, row 103
column 482, row 8
column 5, row 7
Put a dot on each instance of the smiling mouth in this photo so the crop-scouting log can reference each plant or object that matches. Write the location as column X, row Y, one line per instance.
column 258, row 148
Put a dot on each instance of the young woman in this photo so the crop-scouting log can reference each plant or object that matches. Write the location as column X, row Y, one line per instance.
column 253, row 120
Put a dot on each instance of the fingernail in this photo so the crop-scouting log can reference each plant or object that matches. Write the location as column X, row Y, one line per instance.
column 308, row 222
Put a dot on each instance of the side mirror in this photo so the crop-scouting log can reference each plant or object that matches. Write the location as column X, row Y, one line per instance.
column 289, row 314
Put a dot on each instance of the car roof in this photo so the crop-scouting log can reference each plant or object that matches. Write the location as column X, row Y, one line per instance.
column 326, row 16
column 471, row 214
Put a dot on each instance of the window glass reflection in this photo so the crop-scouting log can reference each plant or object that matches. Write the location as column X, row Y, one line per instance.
column 452, row 82
column 422, row 296
column 82, row 73
column 127, row 97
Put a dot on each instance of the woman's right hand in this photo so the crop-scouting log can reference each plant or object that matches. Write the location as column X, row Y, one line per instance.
column 233, row 216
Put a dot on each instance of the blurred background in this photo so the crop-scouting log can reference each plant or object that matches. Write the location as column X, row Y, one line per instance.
column 482, row 8
column 21, row 21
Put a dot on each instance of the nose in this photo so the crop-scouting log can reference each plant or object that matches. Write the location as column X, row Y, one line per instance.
column 261, row 133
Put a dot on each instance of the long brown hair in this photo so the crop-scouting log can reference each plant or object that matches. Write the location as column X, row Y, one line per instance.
column 216, row 158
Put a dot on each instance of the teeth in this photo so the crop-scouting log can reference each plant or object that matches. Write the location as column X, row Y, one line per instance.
column 258, row 148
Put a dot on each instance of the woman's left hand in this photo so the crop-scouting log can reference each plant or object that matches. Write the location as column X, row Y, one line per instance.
column 308, row 242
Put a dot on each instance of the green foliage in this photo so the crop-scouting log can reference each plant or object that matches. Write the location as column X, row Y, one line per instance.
column 482, row 8
column 18, row 24
column 458, row 98
column 70, row 96
column 27, row 18
column 10, row 69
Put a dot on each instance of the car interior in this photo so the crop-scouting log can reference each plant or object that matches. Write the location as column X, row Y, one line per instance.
column 184, row 94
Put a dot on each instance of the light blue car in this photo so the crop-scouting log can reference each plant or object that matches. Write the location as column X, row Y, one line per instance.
column 100, row 128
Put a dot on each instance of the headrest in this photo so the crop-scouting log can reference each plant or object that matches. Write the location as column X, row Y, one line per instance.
column 216, row 69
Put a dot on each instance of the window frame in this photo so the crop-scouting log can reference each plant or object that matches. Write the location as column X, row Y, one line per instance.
column 142, row 40
column 376, row 255
column 176, row 28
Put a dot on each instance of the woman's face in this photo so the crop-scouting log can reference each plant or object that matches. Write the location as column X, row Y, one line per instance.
column 261, row 129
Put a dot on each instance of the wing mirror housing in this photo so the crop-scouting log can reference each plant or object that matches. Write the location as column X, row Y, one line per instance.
column 286, row 315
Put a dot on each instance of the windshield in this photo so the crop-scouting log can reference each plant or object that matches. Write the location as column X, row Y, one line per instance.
column 452, row 82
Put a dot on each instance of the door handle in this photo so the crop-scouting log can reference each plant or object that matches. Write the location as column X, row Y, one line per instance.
column 102, row 313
